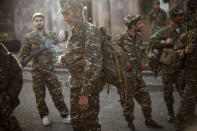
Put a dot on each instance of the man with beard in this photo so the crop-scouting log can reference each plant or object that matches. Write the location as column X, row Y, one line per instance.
column 43, row 73
column 84, row 60
column 166, row 40
column 11, row 81
column 131, row 42
column 188, row 53
column 158, row 17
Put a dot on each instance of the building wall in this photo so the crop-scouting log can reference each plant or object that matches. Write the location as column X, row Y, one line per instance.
column 102, row 15
column 24, row 9
column 110, row 13
column 106, row 13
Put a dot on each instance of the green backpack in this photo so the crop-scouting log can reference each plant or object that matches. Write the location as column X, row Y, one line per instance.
column 115, row 61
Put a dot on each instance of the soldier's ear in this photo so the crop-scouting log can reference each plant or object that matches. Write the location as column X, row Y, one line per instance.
column 78, row 12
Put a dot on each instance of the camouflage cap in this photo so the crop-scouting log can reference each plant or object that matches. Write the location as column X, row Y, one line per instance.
column 38, row 14
column 176, row 11
column 156, row 1
column 66, row 4
column 130, row 18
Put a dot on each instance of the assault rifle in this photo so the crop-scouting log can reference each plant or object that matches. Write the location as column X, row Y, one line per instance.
column 48, row 45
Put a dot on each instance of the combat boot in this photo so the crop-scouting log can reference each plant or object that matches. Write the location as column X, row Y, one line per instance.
column 170, row 117
column 131, row 127
column 153, row 124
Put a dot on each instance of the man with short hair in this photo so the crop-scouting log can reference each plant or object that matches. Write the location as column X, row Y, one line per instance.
column 11, row 81
column 158, row 17
column 131, row 42
column 165, row 40
column 84, row 60
column 43, row 73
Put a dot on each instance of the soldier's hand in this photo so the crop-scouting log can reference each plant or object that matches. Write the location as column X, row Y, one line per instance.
column 61, row 35
column 62, row 63
column 83, row 102
column 169, row 41
column 7, row 99
column 129, row 67
column 189, row 48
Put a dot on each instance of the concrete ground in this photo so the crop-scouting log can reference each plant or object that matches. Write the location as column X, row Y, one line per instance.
column 110, row 113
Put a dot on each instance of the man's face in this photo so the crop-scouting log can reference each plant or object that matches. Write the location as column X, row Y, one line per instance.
column 71, row 17
column 156, row 5
column 139, row 26
column 38, row 23
column 179, row 19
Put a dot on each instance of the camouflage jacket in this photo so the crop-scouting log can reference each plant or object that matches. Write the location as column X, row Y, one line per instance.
column 158, row 42
column 42, row 63
column 133, row 47
column 11, row 78
column 84, row 58
column 158, row 19
column 189, row 60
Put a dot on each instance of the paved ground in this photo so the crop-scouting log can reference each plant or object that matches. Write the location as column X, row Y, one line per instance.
column 110, row 114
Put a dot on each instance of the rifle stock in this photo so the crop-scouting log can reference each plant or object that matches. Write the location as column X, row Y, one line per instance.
column 39, row 51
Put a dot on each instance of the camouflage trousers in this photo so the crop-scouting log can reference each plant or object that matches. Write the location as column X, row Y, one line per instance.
column 7, row 120
column 142, row 97
column 49, row 80
column 84, row 120
column 186, row 111
column 168, row 80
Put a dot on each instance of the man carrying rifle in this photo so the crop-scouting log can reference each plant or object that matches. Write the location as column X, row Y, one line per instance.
column 43, row 73
column 165, row 41
column 11, row 81
column 131, row 42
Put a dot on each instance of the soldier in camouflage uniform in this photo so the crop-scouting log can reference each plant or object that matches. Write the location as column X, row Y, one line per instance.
column 188, row 53
column 131, row 42
column 84, row 60
column 43, row 73
column 11, row 81
column 158, row 17
column 166, row 38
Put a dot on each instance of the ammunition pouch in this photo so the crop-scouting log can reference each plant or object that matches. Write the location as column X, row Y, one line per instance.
column 168, row 57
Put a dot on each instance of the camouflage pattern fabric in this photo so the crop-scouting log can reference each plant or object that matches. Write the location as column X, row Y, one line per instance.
column 7, row 120
column 186, row 111
column 84, row 61
column 130, row 18
column 43, row 73
column 133, row 47
column 84, row 120
column 168, row 80
column 158, row 19
column 10, row 85
column 168, row 71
